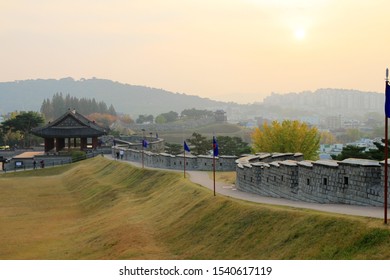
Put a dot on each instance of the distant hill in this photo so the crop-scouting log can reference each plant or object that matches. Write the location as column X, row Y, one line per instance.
column 136, row 100
column 130, row 99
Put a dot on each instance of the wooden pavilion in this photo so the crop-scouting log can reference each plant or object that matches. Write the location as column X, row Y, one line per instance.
column 71, row 130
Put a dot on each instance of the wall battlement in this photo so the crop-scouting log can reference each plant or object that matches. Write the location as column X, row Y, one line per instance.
column 167, row 161
column 134, row 142
column 351, row 181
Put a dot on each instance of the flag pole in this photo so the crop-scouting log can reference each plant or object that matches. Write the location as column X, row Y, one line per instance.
column 386, row 146
column 214, row 169
column 186, row 148
column 184, row 162
column 386, row 169
column 215, row 150
column 143, row 143
column 142, row 154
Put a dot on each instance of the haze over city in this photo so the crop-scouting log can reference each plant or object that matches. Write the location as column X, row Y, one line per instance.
column 232, row 50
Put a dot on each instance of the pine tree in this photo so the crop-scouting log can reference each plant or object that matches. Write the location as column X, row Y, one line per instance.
column 59, row 105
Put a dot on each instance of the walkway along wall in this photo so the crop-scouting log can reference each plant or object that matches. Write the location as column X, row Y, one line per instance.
column 351, row 181
column 167, row 161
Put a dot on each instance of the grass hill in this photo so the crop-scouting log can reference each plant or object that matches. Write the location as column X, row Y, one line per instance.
column 102, row 209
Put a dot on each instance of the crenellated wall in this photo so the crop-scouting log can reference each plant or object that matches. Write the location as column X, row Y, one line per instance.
column 167, row 161
column 134, row 142
column 351, row 181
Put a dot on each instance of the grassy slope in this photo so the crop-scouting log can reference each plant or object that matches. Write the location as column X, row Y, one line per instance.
column 101, row 209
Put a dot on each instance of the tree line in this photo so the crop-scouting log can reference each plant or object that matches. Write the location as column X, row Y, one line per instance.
column 351, row 151
column 201, row 145
column 15, row 131
column 58, row 105
column 171, row 116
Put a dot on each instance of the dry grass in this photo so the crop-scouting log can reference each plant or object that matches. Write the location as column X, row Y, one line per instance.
column 227, row 177
column 101, row 209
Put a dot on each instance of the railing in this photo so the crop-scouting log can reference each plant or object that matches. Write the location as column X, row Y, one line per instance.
column 49, row 161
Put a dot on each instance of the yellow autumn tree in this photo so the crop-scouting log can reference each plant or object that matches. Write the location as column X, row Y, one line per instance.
column 327, row 138
column 287, row 137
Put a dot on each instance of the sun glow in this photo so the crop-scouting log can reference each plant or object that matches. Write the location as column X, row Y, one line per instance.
column 299, row 34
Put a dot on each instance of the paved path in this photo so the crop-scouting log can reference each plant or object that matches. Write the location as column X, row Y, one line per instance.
column 202, row 178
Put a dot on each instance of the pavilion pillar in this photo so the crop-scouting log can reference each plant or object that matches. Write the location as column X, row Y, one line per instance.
column 75, row 142
column 94, row 142
column 69, row 144
column 60, row 144
column 49, row 144
column 83, row 143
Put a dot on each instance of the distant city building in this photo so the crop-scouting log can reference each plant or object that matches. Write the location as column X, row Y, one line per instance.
column 329, row 101
column 331, row 149
column 333, row 122
column 312, row 120
column 351, row 124
column 364, row 143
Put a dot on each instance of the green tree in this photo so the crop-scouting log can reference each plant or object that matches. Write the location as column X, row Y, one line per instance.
column 144, row 119
column 111, row 110
column 351, row 151
column 350, row 135
column 196, row 114
column 200, row 145
column 378, row 153
column 59, row 105
column 168, row 117
column 160, row 119
column 233, row 146
column 288, row 136
column 12, row 138
column 23, row 123
column 173, row 149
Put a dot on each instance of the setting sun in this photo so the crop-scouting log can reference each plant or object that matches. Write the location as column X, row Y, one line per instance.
column 299, row 34
column 214, row 49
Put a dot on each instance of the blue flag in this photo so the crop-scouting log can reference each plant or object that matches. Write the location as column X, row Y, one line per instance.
column 186, row 148
column 387, row 100
column 145, row 143
column 215, row 146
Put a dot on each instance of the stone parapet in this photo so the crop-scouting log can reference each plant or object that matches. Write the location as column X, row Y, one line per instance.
column 168, row 161
column 351, row 181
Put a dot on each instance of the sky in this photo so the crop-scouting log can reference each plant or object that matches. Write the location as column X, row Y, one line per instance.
column 229, row 50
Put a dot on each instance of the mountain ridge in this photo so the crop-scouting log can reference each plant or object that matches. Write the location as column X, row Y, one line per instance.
column 26, row 95
column 126, row 98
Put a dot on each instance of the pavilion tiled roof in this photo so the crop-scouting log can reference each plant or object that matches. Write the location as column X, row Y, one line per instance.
column 70, row 125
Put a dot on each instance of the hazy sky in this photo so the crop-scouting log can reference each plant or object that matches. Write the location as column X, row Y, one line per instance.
column 231, row 50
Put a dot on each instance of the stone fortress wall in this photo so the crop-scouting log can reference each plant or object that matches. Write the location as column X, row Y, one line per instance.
column 282, row 175
column 168, row 161
column 134, row 142
column 351, row 181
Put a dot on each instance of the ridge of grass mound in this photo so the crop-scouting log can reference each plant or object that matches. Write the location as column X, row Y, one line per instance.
column 102, row 209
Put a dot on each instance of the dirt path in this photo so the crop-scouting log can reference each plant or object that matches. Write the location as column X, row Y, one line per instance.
column 202, row 178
